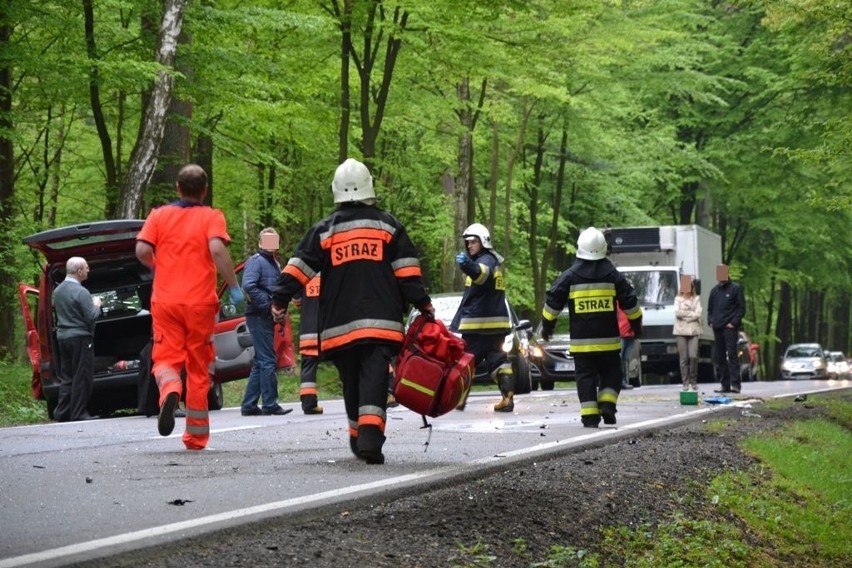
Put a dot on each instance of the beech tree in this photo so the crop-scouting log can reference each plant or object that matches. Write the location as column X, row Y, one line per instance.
column 143, row 160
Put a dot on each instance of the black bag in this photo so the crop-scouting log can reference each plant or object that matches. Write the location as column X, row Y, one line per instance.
column 148, row 393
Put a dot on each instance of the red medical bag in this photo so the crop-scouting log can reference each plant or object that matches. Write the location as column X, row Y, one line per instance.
column 433, row 372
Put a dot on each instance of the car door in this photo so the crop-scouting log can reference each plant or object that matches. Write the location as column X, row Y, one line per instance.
column 233, row 343
column 28, row 296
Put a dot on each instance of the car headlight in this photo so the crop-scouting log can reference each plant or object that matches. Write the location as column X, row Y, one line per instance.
column 536, row 351
column 786, row 366
column 818, row 365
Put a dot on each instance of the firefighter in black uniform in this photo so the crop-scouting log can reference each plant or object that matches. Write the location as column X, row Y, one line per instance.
column 593, row 288
column 370, row 273
column 483, row 318
column 308, row 303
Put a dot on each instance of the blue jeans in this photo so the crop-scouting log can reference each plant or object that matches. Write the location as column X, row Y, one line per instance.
column 262, row 381
column 627, row 344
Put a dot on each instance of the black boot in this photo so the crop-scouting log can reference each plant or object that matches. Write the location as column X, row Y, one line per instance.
column 370, row 442
column 507, row 389
column 607, row 412
column 591, row 421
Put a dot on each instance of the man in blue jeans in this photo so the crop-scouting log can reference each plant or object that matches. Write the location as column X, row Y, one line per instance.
column 259, row 276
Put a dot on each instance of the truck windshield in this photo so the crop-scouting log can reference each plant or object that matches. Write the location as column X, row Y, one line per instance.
column 654, row 288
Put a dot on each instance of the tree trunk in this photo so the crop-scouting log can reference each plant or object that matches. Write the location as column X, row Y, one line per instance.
column 176, row 145
column 202, row 154
column 510, row 172
column 549, row 256
column 532, row 191
column 784, row 324
column 371, row 95
column 97, row 110
column 7, row 195
column 461, row 184
column 346, row 48
column 174, row 154
column 494, row 178
column 144, row 158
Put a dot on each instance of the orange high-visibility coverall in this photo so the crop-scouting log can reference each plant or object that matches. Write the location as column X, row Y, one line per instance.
column 184, row 305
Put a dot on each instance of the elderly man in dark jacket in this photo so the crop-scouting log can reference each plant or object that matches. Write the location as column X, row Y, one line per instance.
column 76, row 312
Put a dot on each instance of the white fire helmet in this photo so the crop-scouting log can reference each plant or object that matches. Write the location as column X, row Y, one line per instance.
column 478, row 230
column 591, row 244
column 353, row 182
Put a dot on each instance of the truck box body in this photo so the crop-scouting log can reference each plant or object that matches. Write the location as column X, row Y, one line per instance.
column 654, row 258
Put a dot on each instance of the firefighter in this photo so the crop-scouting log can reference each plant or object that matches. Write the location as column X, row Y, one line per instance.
column 483, row 317
column 370, row 272
column 308, row 304
column 593, row 288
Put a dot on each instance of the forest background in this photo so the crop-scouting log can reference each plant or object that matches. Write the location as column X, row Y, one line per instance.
column 537, row 118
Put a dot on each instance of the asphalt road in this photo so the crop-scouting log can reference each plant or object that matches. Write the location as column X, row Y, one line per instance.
column 84, row 490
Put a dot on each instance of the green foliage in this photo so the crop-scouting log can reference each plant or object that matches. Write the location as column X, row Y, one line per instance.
column 568, row 557
column 793, row 506
column 732, row 116
column 17, row 405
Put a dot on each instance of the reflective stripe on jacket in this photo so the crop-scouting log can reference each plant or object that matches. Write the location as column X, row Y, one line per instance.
column 370, row 273
column 592, row 290
column 483, row 305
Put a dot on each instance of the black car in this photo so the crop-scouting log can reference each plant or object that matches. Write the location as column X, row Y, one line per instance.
column 516, row 343
column 551, row 360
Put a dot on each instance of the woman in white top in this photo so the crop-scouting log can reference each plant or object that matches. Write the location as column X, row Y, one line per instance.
column 687, row 328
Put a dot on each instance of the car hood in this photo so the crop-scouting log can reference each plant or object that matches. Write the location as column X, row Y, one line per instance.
column 88, row 240
column 803, row 360
column 557, row 342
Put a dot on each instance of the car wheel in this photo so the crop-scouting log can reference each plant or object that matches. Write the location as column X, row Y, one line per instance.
column 523, row 379
column 216, row 397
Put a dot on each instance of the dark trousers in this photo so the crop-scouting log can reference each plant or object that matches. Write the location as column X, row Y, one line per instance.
column 488, row 348
column 598, row 380
column 364, row 372
column 725, row 356
column 308, row 381
column 76, row 378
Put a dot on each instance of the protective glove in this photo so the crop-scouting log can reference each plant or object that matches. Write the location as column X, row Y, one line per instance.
column 547, row 329
column 237, row 296
column 428, row 311
column 461, row 258
column 279, row 315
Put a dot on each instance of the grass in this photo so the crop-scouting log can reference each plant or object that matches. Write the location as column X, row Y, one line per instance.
column 794, row 508
column 17, row 405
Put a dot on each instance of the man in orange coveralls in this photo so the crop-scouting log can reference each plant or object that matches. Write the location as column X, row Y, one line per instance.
column 185, row 242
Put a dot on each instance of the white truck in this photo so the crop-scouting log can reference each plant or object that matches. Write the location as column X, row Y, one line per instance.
column 654, row 258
